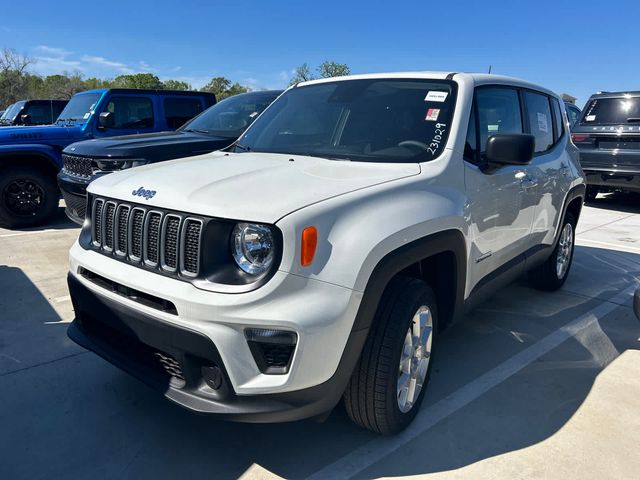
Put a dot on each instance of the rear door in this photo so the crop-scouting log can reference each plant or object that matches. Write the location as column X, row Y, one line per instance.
column 500, row 215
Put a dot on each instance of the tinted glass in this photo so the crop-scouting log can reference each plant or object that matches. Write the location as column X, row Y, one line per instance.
column 557, row 117
column 373, row 120
column 470, row 146
column 612, row 111
column 230, row 117
column 540, row 121
column 130, row 112
column 573, row 113
column 40, row 113
column 498, row 112
column 79, row 107
column 177, row 111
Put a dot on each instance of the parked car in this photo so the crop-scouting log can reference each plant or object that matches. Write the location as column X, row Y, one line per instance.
column 32, row 112
column 30, row 157
column 214, row 129
column 573, row 113
column 320, row 256
column 608, row 136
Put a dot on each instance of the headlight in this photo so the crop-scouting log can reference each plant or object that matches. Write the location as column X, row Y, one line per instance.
column 252, row 246
column 108, row 165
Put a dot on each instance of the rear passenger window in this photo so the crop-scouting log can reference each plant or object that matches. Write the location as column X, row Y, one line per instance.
column 177, row 111
column 131, row 112
column 498, row 113
column 540, row 121
column 40, row 113
column 557, row 115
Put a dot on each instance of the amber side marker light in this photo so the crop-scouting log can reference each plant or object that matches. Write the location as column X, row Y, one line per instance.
column 309, row 244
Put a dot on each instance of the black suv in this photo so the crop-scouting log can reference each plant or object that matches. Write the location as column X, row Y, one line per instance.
column 214, row 129
column 608, row 136
column 32, row 112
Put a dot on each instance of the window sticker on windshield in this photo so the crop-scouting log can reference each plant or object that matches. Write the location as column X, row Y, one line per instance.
column 493, row 128
column 543, row 125
column 432, row 114
column 93, row 105
column 86, row 115
column 253, row 114
column 436, row 96
column 590, row 118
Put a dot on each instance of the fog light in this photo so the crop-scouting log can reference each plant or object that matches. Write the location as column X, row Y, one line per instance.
column 212, row 376
column 272, row 349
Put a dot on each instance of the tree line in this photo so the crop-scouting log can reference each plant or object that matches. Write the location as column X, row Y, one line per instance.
column 18, row 82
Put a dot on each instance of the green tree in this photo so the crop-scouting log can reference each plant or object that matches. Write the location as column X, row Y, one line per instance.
column 175, row 85
column 14, row 82
column 138, row 80
column 301, row 74
column 223, row 88
column 332, row 69
column 62, row 86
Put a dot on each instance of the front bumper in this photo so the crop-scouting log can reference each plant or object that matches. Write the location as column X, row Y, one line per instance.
column 74, row 192
column 208, row 331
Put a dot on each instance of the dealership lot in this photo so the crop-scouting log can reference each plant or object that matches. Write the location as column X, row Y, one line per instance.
column 531, row 385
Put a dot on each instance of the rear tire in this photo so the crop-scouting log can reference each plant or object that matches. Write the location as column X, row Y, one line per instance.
column 552, row 274
column 28, row 196
column 383, row 395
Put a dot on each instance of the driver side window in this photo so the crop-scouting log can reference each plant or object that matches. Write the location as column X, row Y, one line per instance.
column 498, row 113
column 130, row 112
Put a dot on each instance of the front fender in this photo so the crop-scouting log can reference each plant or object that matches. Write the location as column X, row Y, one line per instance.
column 45, row 153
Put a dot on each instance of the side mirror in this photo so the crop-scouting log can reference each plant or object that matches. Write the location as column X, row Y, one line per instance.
column 25, row 119
column 510, row 149
column 105, row 120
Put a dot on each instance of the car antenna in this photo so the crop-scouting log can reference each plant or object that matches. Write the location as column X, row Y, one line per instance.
column 489, row 69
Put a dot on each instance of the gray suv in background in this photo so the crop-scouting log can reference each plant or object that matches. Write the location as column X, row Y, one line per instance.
column 608, row 136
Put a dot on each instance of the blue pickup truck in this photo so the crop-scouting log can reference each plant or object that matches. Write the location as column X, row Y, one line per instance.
column 30, row 157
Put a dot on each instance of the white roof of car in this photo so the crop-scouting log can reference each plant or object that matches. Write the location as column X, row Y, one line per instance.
column 476, row 78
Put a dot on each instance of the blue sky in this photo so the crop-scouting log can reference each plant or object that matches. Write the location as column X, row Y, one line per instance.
column 568, row 46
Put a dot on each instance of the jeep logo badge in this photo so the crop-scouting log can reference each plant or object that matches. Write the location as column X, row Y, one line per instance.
column 146, row 194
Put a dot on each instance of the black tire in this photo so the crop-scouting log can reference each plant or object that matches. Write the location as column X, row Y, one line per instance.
column 371, row 398
column 29, row 184
column 592, row 193
column 546, row 276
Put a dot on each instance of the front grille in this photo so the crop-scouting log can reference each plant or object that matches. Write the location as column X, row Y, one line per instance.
column 147, row 237
column 170, row 365
column 78, row 166
column 75, row 203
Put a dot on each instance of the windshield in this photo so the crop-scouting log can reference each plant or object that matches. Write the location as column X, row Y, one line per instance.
column 373, row 120
column 79, row 107
column 10, row 113
column 231, row 116
column 612, row 111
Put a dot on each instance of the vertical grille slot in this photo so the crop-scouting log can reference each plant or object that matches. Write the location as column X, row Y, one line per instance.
column 170, row 237
column 191, row 246
column 135, row 236
column 98, row 206
column 122, row 225
column 152, row 238
column 109, row 220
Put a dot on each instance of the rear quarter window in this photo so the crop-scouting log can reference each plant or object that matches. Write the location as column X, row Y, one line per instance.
column 540, row 120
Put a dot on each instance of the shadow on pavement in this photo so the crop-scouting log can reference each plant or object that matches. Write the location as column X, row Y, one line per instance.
column 100, row 422
column 58, row 221
column 622, row 202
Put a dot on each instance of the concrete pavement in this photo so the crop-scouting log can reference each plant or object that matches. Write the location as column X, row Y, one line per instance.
column 531, row 385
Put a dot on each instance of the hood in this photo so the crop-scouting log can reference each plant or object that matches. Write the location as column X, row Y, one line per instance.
column 258, row 187
column 150, row 146
column 37, row 134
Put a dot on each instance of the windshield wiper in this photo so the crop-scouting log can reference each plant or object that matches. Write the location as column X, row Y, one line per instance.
column 633, row 119
column 196, row 130
column 242, row 147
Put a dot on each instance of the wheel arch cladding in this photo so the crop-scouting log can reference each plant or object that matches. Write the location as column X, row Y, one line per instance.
column 439, row 259
column 30, row 159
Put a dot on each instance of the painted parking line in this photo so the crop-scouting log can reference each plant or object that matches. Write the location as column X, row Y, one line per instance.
column 35, row 232
column 378, row 448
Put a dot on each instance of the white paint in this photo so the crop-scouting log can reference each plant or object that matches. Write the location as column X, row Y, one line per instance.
column 378, row 448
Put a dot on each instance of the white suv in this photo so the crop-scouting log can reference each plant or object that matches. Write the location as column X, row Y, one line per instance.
column 320, row 256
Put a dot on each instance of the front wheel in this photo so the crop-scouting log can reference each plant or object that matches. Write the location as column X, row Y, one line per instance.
column 389, row 382
column 28, row 196
column 552, row 274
